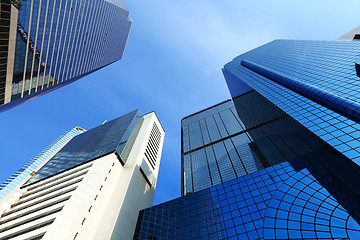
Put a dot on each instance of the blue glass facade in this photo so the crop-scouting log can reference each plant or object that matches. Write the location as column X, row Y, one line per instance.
column 206, row 138
column 97, row 142
column 297, row 102
column 312, row 196
column 222, row 143
column 317, row 66
column 58, row 42
column 274, row 203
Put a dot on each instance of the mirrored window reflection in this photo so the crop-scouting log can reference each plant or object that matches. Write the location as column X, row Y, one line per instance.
column 274, row 203
column 265, row 136
column 89, row 145
column 328, row 65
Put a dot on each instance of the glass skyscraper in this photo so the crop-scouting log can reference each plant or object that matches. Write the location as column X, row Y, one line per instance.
column 208, row 135
column 298, row 105
column 47, row 44
column 86, row 184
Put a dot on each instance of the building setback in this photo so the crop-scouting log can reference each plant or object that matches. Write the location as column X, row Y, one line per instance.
column 92, row 187
column 298, row 106
column 46, row 44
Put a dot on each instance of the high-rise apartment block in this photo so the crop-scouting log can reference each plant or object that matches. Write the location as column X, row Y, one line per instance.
column 297, row 103
column 46, row 44
column 89, row 184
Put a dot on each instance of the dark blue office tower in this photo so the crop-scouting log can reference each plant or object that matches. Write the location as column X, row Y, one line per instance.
column 297, row 103
column 47, row 44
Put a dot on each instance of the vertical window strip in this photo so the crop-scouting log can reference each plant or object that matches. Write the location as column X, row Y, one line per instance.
column 192, row 173
column 59, row 49
column 200, row 170
column 102, row 58
column 35, row 47
column 223, row 122
column 71, row 36
column 111, row 31
column 239, row 156
column 99, row 46
column 91, row 40
column 217, row 127
column 186, row 139
column 27, row 48
column 221, row 126
column 228, row 145
column 95, row 45
column 213, row 165
column 109, row 35
column 54, row 43
column 246, row 155
column 212, row 129
column 226, row 168
column 212, row 148
column 66, row 42
column 187, row 174
column 207, row 161
column 231, row 123
column 86, row 29
column 77, row 33
column 195, row 135
column 91, row 36
column 42, row 47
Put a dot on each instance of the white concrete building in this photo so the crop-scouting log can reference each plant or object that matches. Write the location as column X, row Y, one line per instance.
column 352, row 35
column 99, row 198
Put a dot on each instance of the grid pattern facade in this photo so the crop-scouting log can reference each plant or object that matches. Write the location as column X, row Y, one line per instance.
column 279, row 202
column 310, row 90
column 90, row 145
column 226, row 211
column 63, row 40
column 7, row 186
column 314, row 194
column 302, row 209
column 326, row 65
column 223, row 143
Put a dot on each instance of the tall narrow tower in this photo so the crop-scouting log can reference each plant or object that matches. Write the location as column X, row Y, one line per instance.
column 46, row 44
column 92, row 188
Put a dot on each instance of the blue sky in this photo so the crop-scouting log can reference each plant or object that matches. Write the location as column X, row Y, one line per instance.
column 172, row 65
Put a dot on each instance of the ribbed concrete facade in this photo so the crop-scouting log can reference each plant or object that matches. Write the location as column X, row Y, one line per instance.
column 99, row 199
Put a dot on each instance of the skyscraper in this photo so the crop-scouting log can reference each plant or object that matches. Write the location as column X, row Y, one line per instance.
column 48, row 44
column 92, row 187
column 297, row 102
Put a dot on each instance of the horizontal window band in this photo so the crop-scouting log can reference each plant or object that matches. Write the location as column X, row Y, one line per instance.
column 235, row 134
column 346, row 107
